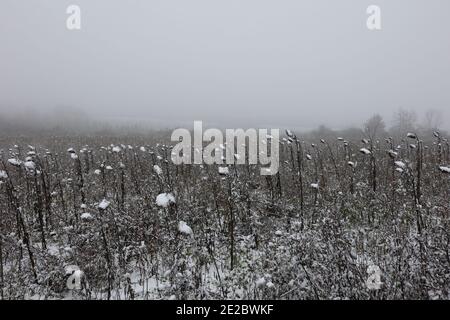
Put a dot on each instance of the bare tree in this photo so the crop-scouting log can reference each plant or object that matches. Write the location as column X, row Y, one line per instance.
column 404, row 121
column 374, row 127
column 433, row 119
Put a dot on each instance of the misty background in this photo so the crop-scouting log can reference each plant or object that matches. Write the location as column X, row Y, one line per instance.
column 251, row 63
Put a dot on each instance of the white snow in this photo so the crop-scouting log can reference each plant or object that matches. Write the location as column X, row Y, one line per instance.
column 142, row 149
column 315, row 185
column 53, row 250
column 399, row 170
column 165, row 199
column 86, row 216
column 444, row 169
column 14, row 162
column 308, row 156
column 365, row 151
column 184, row 228
column 157, row 169
column 70, row 269
column 411, row 135
column 400, row 164
column 3, row 174
column 73, row 156
column 97, row 171
column 30, row 165
column 104, row 204
column 223, row 170
column 351, row 164
column 392, row 153
column 109, row 168
column 116, row 149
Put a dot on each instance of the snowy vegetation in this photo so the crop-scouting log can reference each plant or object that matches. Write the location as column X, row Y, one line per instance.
column 133, row 225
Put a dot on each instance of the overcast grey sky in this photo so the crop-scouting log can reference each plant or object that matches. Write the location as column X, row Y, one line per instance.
column 256, row 62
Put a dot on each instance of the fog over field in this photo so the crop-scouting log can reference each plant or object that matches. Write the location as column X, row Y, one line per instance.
column 288, row 63
column 224, row 150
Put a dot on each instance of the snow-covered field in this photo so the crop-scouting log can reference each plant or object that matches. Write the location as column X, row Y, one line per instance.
column 114, row 218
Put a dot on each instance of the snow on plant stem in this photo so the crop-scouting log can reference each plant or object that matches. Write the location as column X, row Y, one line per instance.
column 184, row 228
column 223, row 170
column 157, row 170
column 400, row 164
column 165, row 199
column 444, row 169
column 104, row 204
column 3, row 174
column 365, row 151
column 86, row 216
column 14, row 162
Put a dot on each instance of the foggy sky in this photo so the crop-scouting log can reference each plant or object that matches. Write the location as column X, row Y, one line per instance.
column 245, row 62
